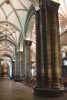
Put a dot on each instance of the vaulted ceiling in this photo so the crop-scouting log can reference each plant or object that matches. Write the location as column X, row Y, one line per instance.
column 13, row 14
column 12, row 20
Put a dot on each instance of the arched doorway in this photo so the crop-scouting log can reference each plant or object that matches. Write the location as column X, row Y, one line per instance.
column 4, row 69
column 6, row 66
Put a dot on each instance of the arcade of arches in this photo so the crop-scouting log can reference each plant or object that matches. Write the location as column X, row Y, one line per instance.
column 33, row 45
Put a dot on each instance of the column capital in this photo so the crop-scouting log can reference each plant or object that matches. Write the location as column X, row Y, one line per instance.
column 17, row 51
column 52, row 5
column 35, row 3
column 13, row 61
column 28, row 42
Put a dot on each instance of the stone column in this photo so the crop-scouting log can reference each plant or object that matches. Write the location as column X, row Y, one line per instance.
column 38, row 50
column 43, row 60
column 45, row 45
column 55, row 46
column 17, row 66
column 0, row 68
column 43, row 52
column 27, row 60
column 22, row 64
column 13, row 69
column 48, row 58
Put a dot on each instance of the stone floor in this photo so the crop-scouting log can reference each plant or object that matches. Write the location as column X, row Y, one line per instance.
column 10, row 90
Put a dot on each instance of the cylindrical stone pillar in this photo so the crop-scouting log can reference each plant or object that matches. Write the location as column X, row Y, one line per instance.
column 38, row 50
column 45, row 45
column 55, row 46
column 22, row 64
column 43, row 50
column 13, row 69
column 27, row 60
column 18, row 76
column 47, row 25
column 0, row 68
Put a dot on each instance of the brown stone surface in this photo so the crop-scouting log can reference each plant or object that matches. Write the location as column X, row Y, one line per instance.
column 10, row 90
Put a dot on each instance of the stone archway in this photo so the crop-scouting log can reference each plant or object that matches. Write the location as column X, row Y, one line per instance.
column 28, row 42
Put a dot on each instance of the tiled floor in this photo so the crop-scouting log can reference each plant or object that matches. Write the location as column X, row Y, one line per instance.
column 10, row 90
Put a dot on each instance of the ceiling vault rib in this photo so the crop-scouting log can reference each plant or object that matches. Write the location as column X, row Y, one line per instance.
column 4, row 13
column 2, row 3
column 7, row 49
column 62, row 11
column 15, row 36
column 23, row 5
column 8, row 31
column 17, row 16
column 12, row 37
column 16, row 10
column 11, row 25
column 65, row 6
column 61, row 16
column 4, row 38
column 33, row 2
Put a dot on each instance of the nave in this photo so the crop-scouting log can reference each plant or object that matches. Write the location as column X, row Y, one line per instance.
column 11, row 90
column 33, row 49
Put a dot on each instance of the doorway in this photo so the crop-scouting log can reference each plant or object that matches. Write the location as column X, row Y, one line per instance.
column 4, row 70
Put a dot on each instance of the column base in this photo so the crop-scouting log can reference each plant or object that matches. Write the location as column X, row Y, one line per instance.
column 49, row 93
column 28, row 80
column 0, row 77
column 12, row 76
column 17, row 78
column 65, row 89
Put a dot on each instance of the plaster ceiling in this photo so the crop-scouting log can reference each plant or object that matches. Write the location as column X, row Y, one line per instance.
column 13, row 14
column 12, row 20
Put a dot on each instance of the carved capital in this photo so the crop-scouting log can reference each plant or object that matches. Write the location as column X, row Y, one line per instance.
column 27, row 42
column 35, row 3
